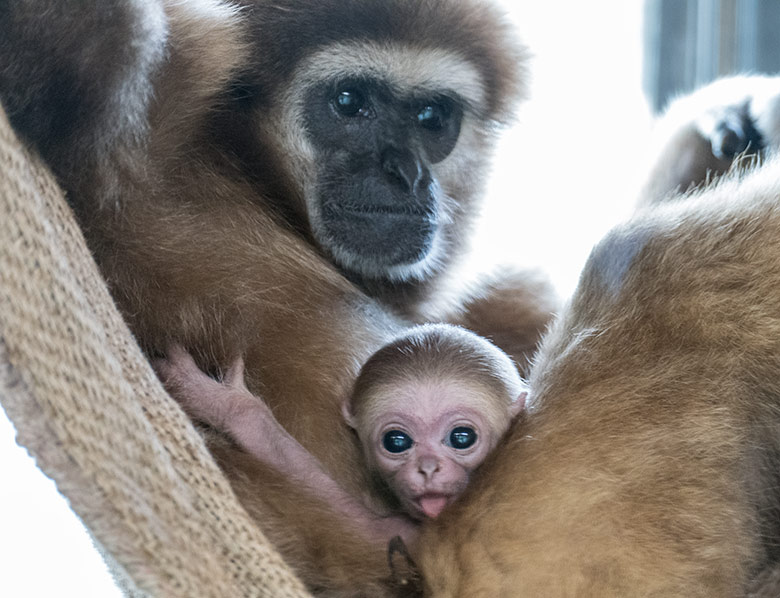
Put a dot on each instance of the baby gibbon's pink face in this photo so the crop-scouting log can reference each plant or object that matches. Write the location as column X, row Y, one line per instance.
column 425, row 439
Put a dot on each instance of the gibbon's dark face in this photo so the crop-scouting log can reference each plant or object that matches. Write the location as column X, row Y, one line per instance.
column 379, row 196
column 388, row 144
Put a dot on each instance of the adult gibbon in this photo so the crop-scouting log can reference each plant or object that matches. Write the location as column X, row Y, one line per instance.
column 289, row 180
column 648, row 464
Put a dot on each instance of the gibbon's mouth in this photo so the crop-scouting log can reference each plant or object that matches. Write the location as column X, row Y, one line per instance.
column 386, row 236
column 433, row 504
column 364, row 210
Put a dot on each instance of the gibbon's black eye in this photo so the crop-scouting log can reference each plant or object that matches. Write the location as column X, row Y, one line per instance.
column 350, row 102
column 396, row 441
column 462, row 437
column 432, row 116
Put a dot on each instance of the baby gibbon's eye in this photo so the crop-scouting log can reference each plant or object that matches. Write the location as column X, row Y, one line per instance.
column 396, row 441
column 462, row 437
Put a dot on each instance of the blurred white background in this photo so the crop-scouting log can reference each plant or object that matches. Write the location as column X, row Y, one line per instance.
column 569, row 169
column 563, row 176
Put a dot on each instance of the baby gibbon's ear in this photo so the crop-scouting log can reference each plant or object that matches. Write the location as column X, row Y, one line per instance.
column 518, row 405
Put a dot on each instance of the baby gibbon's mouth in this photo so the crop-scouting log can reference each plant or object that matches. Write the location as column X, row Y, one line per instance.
column 433, row 504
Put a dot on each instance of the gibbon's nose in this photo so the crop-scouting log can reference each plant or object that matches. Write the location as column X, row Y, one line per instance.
column 428, row 466
column 403, row 167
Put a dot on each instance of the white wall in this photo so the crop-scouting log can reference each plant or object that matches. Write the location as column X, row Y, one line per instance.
column 569, row 169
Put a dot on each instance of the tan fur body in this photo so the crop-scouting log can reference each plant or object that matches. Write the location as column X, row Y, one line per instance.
column 649, row 462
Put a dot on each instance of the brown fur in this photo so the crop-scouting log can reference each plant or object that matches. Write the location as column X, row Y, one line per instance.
column 767, row 584
column 648, row 464
column 511, row 308
column 198, row 227
column 687, row 160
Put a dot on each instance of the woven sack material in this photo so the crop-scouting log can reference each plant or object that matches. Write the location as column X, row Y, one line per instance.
column 90, row 410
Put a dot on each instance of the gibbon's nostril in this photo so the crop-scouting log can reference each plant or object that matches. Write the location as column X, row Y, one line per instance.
column 428, row 466
column 404, row 168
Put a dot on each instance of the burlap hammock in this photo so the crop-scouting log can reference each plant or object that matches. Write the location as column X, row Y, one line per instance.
column 89, row 408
